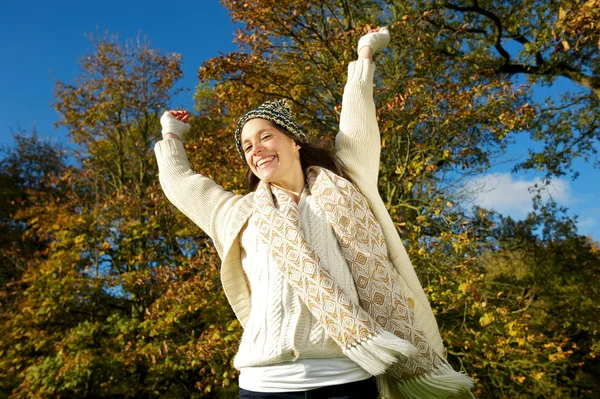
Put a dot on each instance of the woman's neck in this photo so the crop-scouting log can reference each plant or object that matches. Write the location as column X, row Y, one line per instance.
column 295, row 194
column 293, row 187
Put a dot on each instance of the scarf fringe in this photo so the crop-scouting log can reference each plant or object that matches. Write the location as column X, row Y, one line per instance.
column 379, row 352
column 442, row 383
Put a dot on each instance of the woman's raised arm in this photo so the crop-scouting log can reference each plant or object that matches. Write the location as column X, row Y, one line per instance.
column 205, row 202
column 358, row 143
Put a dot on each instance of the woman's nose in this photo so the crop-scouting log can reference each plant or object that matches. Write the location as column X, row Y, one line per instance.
column 257, row 149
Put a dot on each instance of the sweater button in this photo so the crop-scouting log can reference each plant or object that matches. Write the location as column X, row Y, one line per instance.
column 294, row 352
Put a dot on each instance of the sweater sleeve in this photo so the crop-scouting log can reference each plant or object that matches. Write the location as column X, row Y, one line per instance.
column 358, row 143
column 205, row 202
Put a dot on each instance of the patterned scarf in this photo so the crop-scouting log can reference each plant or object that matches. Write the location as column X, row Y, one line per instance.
column 380, row 332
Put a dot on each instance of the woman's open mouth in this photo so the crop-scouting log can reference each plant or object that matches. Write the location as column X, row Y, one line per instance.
column 263, row 162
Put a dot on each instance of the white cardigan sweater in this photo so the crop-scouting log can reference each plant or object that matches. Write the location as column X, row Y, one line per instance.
column 223, row 215
column 280, row 327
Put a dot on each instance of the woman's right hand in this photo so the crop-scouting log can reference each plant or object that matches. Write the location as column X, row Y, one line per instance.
column 174, row 122
column 182, row 116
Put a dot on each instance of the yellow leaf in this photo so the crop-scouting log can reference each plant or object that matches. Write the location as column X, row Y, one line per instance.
column 538, row 375
column 486, row 319
column 519, row 379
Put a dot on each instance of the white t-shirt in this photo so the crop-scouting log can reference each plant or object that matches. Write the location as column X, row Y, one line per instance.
column 301, row 375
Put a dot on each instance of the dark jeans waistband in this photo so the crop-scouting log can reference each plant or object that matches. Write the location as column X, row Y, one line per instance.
column 365, row 389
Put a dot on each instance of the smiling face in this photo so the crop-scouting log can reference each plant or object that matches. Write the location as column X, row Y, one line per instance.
column 271, row 154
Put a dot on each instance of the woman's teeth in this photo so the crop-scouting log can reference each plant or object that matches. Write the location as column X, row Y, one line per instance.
column 264, row 161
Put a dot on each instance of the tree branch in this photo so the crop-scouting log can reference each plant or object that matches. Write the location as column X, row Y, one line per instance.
column 493, row 17
column 539, row 60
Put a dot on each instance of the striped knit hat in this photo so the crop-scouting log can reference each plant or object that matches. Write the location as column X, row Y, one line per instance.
column 277, row 112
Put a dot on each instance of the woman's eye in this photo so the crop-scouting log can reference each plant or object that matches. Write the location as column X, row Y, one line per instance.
column 266, row 136
column 247, row 148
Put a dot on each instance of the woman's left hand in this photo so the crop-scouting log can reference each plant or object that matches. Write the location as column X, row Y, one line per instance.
column 376, row 40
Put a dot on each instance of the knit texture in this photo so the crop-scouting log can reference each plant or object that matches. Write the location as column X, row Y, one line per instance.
column 170, row 124
column 376, row 332
column 278, row 112
column 222, row 215
column 280, row 327
column 354, row 325
column 376, row 40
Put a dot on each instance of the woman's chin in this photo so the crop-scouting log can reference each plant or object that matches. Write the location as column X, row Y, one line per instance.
column 266, row 175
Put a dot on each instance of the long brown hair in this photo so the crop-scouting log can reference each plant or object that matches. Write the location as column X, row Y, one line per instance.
column 311, row 154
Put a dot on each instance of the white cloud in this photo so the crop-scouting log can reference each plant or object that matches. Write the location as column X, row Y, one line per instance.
column 510, row 196
column 588, row 221
column 586, row 225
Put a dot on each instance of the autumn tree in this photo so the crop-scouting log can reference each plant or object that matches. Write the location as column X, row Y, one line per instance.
column 543, row 41
column 525, row 303
column 26, row 171
column 123, row 300
column 126, row 301
column 447, row 112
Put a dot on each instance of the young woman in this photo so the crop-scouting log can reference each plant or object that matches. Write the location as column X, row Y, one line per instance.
column 312, row 264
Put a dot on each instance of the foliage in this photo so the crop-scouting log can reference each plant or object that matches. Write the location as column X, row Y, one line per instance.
column 519, row 312
column 24, row 171
column 547, row 41
column 123, row 299
column 447, row 110
column 110, row 292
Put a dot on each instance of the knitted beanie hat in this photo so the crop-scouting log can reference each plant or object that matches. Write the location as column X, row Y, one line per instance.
column 277, row 112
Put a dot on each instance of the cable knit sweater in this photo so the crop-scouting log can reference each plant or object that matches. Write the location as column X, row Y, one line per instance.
column 280, row 327
column 223, row 215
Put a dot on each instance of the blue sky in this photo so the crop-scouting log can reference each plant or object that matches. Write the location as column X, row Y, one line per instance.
column 42, row 41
